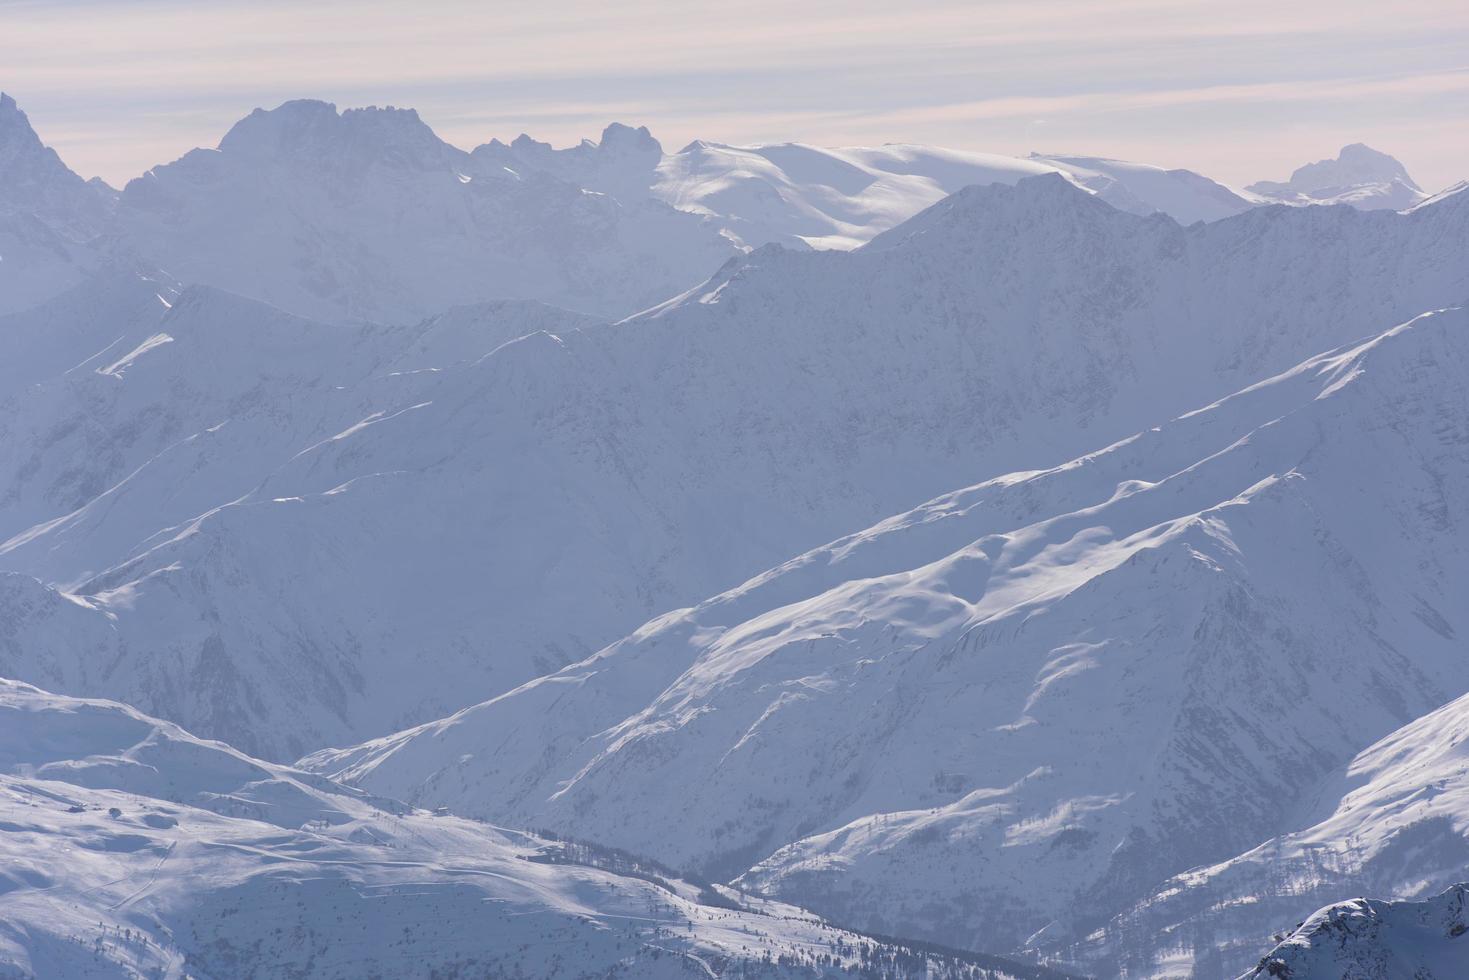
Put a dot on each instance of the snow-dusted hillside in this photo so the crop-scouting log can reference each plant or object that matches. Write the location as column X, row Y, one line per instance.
column 1360, row 176
column 305, row 534
column 1393, row 823
column 1374, row 940
column 130, row 849
column 1023, row 705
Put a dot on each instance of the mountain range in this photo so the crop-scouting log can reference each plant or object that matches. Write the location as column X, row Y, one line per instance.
column 799, row 732
column 1052, row 557
column 585, row 476
column 366, row 214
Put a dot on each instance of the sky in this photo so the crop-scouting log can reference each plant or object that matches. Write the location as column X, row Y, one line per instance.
column 1241, row 90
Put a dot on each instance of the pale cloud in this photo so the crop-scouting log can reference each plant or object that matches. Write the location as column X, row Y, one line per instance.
column 1440, row 83
column 118, row 87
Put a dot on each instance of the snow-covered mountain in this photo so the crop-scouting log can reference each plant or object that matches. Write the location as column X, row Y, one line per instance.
column 1009, row 713
column 1360, row 176
column 303, row 534
column 799, row 195
column 1368, row 940
column 141, row 478
column 294, row 453
column 1393, row 822
column 620, row 163
column 130, row 849
column 357, row 215
column 49, row 217
column 33, row 180
column 367, row 214
column 1141, row 188
column 1444, row 194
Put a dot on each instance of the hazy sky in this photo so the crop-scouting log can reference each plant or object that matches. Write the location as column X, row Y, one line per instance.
column 1239, row 89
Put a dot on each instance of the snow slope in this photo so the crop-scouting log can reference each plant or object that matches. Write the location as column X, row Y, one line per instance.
column 121, row 379
column 128, row 848
column 1022, row 705
column 1392, row 822
column 136, row 475
column 1360, row 176
column 1366, row 940
column 303, row 536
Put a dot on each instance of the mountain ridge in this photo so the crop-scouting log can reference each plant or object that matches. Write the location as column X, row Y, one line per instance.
column 1060, row 557
column 653, row 462
column 728, row 689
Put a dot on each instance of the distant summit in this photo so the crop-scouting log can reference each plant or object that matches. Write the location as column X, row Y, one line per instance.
column 1360, row 176
column 314, row 132
column 1144, row 189
column 622, row 163
column 33, row 180
column 368, row 214
column 49, row 216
